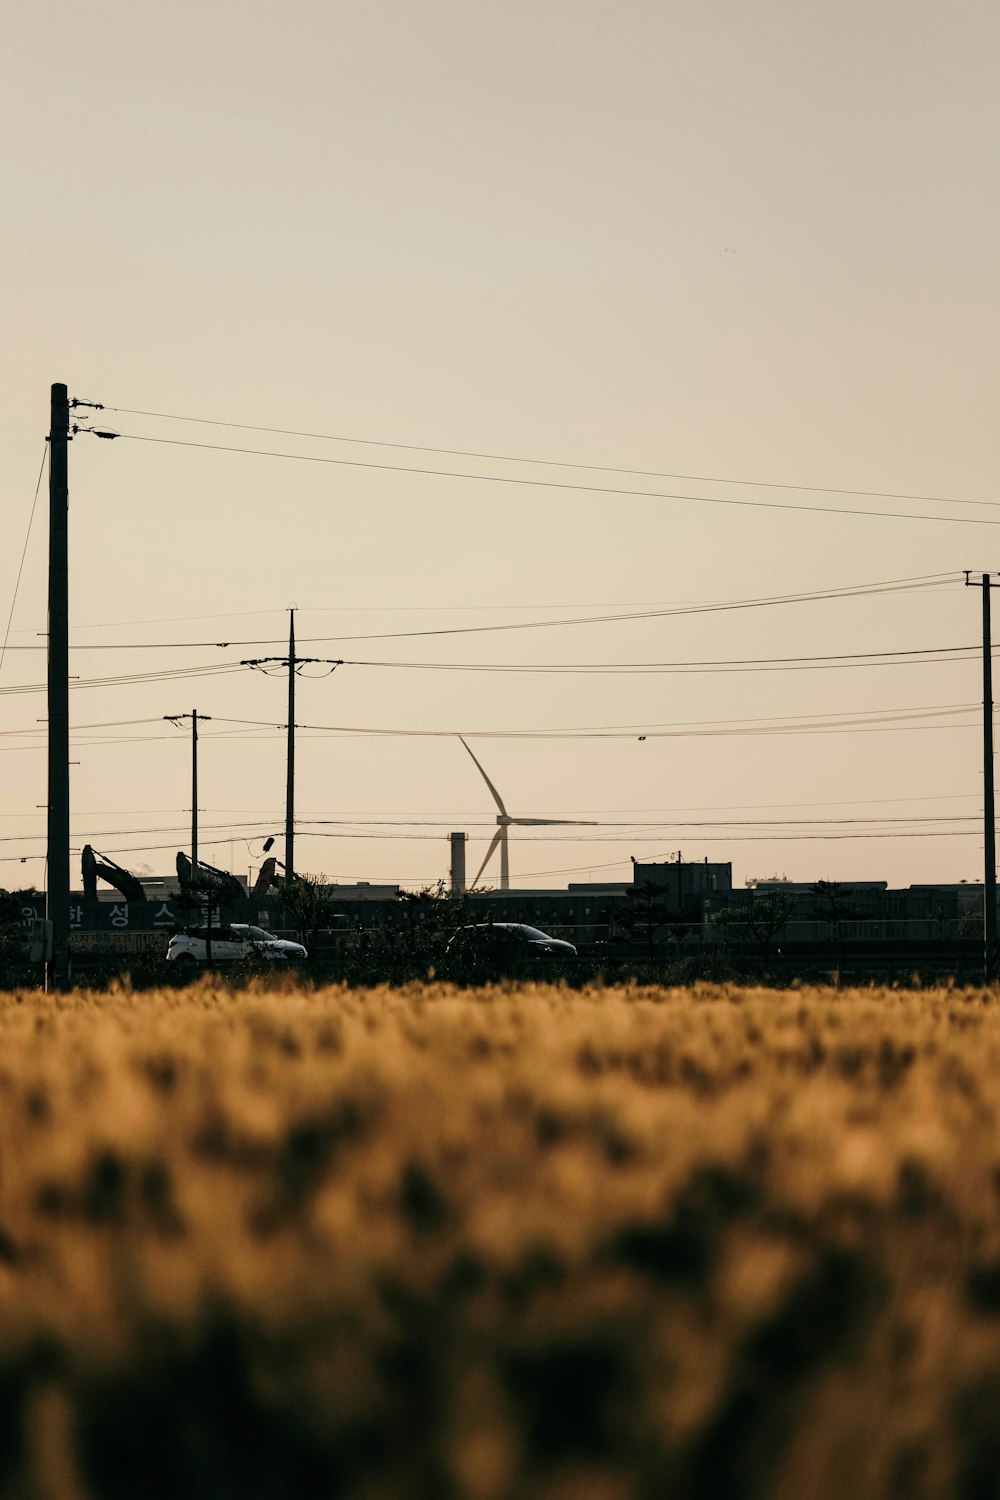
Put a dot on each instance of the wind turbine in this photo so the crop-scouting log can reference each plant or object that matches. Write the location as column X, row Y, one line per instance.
column 505, row 821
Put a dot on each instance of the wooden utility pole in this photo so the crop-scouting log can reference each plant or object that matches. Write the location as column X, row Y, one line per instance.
column 194, row 794
column 57, row 878
column 290, row 767
column 292, row 662
column 195, row 718
column 989, row 809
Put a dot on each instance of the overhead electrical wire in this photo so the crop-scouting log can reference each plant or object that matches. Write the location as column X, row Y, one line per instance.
column 869, row 720
column 78, row 728
column 915, row 656
column 920, row 585
column 920, row 656
column 861, row 720
column 561, row 484
column 853, row 591
column 275, row 813
column 555, row 463
column 802, row 838
column 917, row 583
column 127, row 679
column 640, row 833
column 24, row 553
column 773, row 724
column 372, row 828
column 736, row 838
column 695, row 734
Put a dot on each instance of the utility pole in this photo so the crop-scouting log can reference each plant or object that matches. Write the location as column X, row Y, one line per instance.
column 57, row 879
column 292, row 662
column 195, row 718
column 290, row 757
column 57, row 859
column 989, row 809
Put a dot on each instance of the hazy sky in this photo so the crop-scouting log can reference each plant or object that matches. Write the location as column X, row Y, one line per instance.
column 747, row 241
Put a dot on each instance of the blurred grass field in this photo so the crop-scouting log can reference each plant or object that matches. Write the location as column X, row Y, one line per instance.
column 519, row 1243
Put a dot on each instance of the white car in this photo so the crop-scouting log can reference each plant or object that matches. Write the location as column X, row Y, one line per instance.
column 230, row 943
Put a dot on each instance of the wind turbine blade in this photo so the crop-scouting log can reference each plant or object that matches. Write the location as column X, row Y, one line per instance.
column 496, row 794
column 555, row 822
column 490, row 851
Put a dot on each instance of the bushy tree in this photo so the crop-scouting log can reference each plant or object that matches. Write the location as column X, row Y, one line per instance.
column 763, row 919
column 310, row 903
column 428, row 919
column 643, row 913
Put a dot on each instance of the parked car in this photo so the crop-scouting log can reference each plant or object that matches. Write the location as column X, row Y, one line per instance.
column 500, row 944
column 230, row 943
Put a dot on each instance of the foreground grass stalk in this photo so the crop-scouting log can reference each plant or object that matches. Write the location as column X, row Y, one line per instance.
column 499, row 1244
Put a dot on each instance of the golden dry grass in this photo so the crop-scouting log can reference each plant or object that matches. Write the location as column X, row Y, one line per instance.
column 525, row 1244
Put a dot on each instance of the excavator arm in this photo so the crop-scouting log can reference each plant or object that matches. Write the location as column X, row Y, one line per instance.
column 95, row 866
column 208, row 879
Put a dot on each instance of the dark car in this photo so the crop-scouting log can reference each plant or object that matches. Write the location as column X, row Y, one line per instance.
column 504, row 945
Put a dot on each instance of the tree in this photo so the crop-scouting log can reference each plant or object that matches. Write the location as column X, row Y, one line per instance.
column 763, row 918
column 12, row 928
column 832, row 903
column 11, row 903
column 643, row 913
column 429, row 918
column 310, row 902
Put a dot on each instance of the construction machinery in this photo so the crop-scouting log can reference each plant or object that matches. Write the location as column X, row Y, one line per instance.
column 267, row 876
column 207, row 880
column 96, row 866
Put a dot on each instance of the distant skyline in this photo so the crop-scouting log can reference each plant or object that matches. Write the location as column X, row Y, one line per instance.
column 747, row 243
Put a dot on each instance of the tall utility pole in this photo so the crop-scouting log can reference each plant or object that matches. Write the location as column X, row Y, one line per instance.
column 57, row 880
column 989, row 809
column 292, row 662
column 195, row 718
column 290, row 765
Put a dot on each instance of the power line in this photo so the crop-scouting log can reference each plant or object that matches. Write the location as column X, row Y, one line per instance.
column 917, row 583
column 703, row 838
column 645, row 833
column 772, row 724
column 556, row 463
column 633, row 830
column 852, row 591
column 560, row 484
column 127, row 679
column 24, row 553
column 78, row 728
column 924, row 656
column 400, row 609
column 644, row 815
column 669, row 854
column 379, row 734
